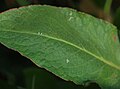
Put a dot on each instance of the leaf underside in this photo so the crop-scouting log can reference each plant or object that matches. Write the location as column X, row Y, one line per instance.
column 72, row 45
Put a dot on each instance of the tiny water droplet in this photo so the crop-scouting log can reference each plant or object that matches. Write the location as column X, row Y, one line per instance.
column 70, row 18
column 40, row 33
column 67, row 61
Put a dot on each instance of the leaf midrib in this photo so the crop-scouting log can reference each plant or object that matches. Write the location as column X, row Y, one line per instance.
column 71, row 44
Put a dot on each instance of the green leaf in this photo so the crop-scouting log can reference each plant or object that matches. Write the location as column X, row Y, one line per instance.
column 72, row 45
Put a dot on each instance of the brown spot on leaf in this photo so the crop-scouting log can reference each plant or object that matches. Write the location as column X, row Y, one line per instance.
column 114, row 38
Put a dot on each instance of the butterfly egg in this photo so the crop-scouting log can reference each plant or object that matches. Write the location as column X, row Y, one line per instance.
column 39, row 33
column 67, row 60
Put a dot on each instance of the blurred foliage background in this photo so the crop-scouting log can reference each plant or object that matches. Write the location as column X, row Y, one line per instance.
column 17, row 72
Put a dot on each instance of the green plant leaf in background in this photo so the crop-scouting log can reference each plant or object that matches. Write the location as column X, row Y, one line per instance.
column 72, row 45
column 23, row 2
column 117, row 20
column 5, row 85
column 41, row 79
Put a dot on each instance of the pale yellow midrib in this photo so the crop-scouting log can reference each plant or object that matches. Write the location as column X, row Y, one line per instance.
column 69, row 43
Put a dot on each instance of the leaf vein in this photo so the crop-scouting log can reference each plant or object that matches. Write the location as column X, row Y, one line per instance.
column 74, row 45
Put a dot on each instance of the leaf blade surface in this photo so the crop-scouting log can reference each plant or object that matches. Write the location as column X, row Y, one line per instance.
column 73, row 45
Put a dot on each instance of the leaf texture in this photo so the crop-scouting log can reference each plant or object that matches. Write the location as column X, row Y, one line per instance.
column 72, row 45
